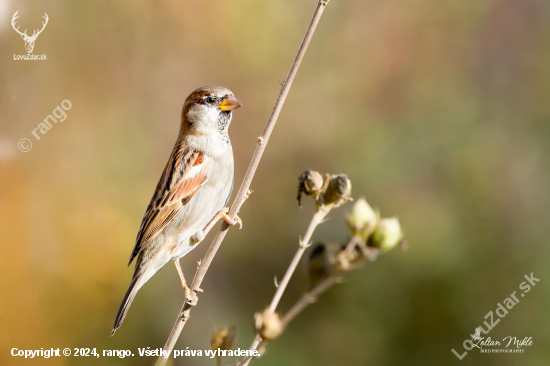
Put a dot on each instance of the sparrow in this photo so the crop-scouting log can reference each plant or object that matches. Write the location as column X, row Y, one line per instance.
column 191, row 194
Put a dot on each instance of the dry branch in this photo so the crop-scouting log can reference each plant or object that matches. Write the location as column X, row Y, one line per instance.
column 317, row 219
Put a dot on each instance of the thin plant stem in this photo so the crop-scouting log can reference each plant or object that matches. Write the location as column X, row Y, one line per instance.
column 296, row 309
column 308, row 299
column 318, row 218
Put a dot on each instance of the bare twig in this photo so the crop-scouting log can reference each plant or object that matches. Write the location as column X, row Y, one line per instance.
column 304, row 244
column 317, row 219
column 245, row 185
column 304, row 301
column 308, row 299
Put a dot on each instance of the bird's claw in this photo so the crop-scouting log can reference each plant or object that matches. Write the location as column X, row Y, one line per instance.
column 190, row 296
column 235, row 221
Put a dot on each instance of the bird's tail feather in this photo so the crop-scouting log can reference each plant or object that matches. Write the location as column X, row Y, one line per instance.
column 138, row 281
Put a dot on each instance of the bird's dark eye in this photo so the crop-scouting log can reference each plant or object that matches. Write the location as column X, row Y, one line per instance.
column 210, row 100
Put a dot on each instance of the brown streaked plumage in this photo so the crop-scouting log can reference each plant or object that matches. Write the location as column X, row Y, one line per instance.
column 173, row 191
column 193, row 189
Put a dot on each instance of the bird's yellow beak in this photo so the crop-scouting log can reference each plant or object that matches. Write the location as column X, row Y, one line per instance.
column 230, row 103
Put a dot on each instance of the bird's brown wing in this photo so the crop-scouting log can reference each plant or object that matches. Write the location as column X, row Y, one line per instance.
column 180, row 180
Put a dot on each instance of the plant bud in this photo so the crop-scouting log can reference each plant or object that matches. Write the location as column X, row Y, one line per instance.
column 268, row 325
column 310, row 184
column 338, row 191
column 387, row 235
column 319, row 265
column 223, row 338
column 362, row 219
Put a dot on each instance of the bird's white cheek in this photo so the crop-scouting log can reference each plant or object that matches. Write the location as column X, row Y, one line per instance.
column 212, row 116
column 200, row 115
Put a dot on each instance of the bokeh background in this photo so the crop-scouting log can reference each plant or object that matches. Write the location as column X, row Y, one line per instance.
column 438, row 111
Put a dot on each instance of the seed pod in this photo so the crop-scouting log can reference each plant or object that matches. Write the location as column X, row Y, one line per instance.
column 310, row 184
column 319, row 264
column 345, row 259
column 343, row 263
column 268, row 325
column 362, row 220
column 223, row 338
column 387, row 235
column 338, row 191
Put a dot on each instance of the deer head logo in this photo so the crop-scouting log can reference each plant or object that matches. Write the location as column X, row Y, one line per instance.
column 29, row 41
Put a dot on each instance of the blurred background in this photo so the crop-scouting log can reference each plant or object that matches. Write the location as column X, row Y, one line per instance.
column 438, row 111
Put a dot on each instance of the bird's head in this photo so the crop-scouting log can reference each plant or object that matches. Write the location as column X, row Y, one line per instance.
column 208, row 109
